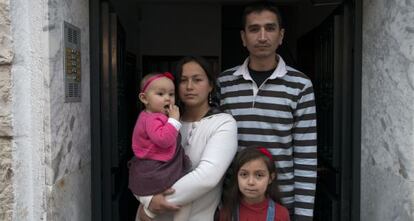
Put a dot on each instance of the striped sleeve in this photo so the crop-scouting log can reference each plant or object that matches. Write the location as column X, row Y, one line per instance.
column 305, row 154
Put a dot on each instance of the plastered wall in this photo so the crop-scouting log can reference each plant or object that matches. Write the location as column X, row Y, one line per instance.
column 387, row 173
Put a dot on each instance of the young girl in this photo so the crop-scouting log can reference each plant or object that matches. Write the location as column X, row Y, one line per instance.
column 159, row 159
column 253, row 191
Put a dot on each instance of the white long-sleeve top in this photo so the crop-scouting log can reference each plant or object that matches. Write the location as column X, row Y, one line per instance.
column 211, row 144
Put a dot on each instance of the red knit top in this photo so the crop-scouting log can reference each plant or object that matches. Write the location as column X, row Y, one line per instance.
column 258, row 211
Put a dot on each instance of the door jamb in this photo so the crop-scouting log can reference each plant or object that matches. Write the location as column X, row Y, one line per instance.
column 95, row 78
column 95, row 70
column 356, row 112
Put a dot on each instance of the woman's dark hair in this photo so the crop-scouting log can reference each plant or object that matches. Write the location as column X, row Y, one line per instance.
column 231, row 193
column 204, row 64
column 260, row 6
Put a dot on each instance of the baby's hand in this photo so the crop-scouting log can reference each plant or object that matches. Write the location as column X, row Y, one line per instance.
column 174, row 112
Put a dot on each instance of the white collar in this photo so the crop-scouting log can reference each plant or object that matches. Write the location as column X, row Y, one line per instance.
column 280, row 70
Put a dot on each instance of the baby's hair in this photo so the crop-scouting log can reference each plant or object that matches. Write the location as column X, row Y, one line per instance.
column 231, row 193
column 145, row 79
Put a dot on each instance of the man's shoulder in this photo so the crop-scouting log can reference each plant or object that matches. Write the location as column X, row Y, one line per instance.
column 292, row 72
column 229, row 72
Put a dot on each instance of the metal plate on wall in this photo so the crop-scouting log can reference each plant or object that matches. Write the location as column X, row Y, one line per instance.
column 72, row 63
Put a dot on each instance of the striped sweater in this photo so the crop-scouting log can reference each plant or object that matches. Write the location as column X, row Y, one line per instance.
column 279, row 115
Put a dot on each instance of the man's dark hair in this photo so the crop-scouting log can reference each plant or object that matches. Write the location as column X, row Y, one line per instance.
column 257, row 7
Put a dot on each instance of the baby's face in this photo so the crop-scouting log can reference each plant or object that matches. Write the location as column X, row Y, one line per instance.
column 160, row 95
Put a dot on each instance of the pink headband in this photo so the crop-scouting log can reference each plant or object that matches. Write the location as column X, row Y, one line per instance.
column 265, row 152
column 155, row 77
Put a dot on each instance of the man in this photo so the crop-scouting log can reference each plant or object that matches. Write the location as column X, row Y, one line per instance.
column 274, row 107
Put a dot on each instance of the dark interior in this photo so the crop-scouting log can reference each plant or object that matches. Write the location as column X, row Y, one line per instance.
column 318, row 41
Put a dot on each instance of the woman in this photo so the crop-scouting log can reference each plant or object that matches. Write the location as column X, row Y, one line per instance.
column 209, row 138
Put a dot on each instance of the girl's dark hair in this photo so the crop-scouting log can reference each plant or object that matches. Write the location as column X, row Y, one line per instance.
column 204, row 64
column 231, row 193
column 260, row 6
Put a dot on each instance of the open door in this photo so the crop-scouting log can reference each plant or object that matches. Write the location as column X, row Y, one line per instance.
column 330, row 54
column 326, row 54
column 117, row 115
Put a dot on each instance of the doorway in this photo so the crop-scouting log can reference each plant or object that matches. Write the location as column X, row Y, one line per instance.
column 326, row 48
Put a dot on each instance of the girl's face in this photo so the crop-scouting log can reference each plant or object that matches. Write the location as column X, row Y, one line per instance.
column 194, row 85
column 253, row 178
column 158, row 96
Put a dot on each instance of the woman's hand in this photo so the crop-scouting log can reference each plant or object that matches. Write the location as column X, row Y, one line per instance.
column 159, row 205
column 142, row 215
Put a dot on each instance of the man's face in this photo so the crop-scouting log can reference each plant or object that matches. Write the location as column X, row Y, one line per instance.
column 262, row 34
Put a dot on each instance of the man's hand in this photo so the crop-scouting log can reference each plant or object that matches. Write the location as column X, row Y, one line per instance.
column 159, row 205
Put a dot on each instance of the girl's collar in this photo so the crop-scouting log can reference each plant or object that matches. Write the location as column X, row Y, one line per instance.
column 261, row 204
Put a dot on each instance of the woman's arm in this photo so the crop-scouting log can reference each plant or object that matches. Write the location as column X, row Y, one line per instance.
column 217, row 156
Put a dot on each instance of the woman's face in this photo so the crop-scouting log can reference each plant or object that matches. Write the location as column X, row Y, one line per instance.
column 194, row 85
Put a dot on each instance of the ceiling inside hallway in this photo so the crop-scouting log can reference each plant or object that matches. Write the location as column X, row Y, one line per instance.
column 279, row 2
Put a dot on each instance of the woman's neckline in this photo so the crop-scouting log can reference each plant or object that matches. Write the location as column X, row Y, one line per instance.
column 194, row 118
column 211, row 111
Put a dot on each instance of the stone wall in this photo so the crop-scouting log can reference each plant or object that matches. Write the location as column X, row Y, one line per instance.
column 387, row 173
column 30, row 109
column 50, row 146
column 6, row 132
column 69, row 179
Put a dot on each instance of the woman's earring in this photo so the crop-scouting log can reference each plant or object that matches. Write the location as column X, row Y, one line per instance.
column 209, row 98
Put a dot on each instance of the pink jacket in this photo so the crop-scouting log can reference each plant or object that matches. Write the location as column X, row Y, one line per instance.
column 154, row 138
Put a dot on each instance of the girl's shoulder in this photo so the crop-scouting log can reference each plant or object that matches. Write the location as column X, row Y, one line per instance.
column 282, row 213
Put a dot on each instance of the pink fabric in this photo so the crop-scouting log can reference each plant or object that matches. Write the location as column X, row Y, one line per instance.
column 154, row 138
